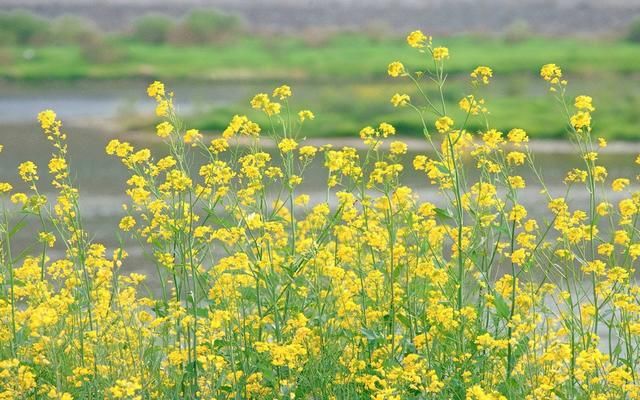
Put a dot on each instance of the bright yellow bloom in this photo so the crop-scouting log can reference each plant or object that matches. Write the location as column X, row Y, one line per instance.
column 399, row 100
column 302, row 200
column 156, row 89
column 398, row 147
column 584, row 103
column 308, row 151
column 619, row 184
column 57, row 164
column 418, row 40
column 46, row 118
column 305, row 114
column 164, row 129
column 581, row 120
column 282, row 92
column 443, row 124
column 472, row 106
column 192, row 136
column 395, row 69
column 286, row 145
column 440, row 53
column 481, row 74
column 519, row 257
column 127, row 223
column 162, row 108
column 551, row 73
column 5, row 187
column 28, row 171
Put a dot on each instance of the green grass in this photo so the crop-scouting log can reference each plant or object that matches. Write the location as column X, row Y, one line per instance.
column 348, row 57
column 344, row 109
column 340, row 78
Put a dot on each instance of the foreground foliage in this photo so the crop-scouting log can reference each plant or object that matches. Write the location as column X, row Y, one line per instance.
column 361, row 291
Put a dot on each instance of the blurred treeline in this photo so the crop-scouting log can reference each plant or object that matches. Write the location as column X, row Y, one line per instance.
column 200, row 26
column 21, row 28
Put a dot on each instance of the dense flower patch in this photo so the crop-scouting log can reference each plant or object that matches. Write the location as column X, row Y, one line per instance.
column 362, row 292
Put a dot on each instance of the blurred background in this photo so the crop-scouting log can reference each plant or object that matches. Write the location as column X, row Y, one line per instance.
column 91, row 61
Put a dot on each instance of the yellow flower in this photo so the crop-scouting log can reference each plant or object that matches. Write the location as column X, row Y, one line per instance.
column 272, row 108
column 28, row 171
column 440, row 53
column 516, row 182
column 46, row 118
column 395, row 69
column 516, row 158
column 443, row 124
column 164, row 129
column 302, row 200
column 192, row 136
column 295, row 180
column 584, row 103
column 156, row 89
column 260, row 100
column 127, row 223
column 519, row 256
column 219, row 145
column 518, row 213
column 417, row 39
column 482, row 74
column 5, row 187
column 619, row 184
column 57, row 164
column 305, row 114
column 387, row 129
column 551, row 73
column 162, row 109
column 19, row 198
column 603, row 208
column 517, row 136
column 47, row 237
column 307, row 151
column 581, row 120
column 398, row 147
column 399, row 100
column 282, row 92
column 286, row 145
column 472, row 106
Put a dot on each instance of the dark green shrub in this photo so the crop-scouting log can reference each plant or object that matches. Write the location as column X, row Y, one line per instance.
column 633, row 35
column 20, row 27
column 152, row 28
column 71, row 29
column 206, row 26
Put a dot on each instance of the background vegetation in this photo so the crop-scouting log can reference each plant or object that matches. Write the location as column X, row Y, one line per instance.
column 209, row 45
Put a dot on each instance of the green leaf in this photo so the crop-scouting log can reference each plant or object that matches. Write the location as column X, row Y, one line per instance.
column 443, row 213
column 501, row 306
column 404, row 320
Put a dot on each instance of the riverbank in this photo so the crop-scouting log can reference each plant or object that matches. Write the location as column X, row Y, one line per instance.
column 347, row 57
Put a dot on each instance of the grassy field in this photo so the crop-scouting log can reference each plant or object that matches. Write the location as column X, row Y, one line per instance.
column 341, row 75
column 344, row 109
column 349, row 57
